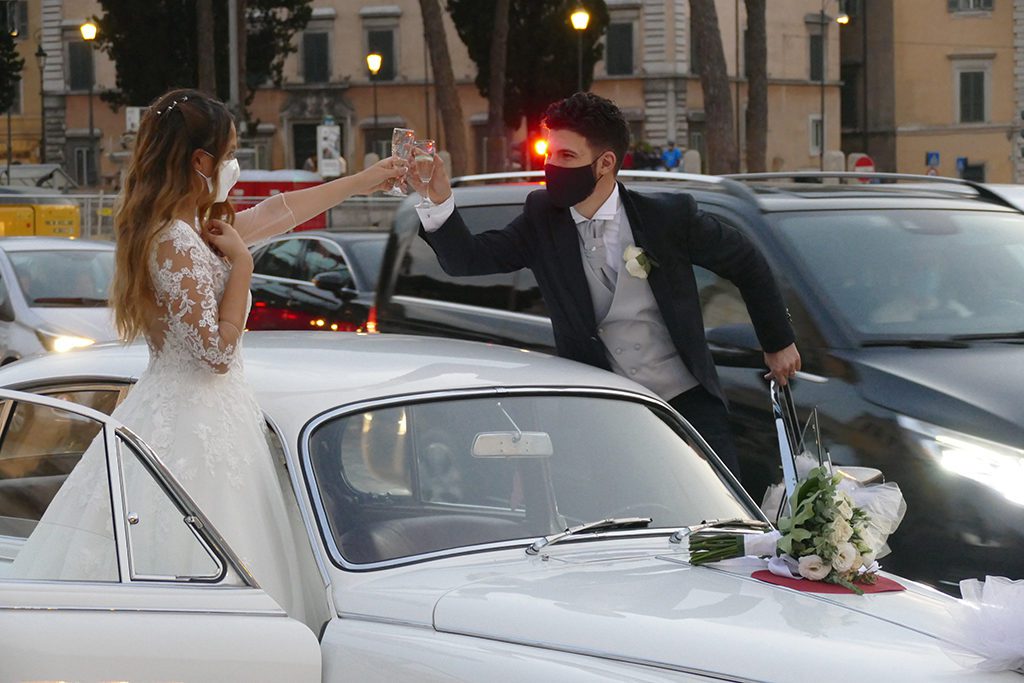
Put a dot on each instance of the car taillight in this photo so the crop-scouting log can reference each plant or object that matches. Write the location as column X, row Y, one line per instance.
column 371, row 320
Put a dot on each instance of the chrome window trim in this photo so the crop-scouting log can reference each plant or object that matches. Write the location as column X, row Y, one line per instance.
column 327, row 537
column 469, row 308
column 148, row 610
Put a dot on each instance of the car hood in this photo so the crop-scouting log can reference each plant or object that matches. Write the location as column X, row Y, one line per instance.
column 974, row 390
column 662, row 612
column 96, row 323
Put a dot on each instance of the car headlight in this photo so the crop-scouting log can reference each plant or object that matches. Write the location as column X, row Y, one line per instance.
column 992, row 464
column 62, row 343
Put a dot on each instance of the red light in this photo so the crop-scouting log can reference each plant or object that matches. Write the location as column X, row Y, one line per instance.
column 540, row 147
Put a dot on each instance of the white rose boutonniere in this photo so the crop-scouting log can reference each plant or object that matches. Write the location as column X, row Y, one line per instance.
column 638, row 263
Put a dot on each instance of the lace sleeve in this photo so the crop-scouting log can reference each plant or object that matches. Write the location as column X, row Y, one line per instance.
column 184, row 278
column 268, row 218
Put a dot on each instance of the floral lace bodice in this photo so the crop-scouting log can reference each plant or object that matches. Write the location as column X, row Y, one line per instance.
column 189, row 280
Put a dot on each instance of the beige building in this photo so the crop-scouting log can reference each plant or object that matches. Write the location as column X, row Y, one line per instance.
column 647, row 70
column 931, row 85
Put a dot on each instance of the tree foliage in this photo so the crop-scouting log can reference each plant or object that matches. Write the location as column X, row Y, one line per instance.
column 447, row 92
column 154, row 44
column 542, row 52
column 10, row 71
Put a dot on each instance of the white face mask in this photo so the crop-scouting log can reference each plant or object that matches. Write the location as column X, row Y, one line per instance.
column 226, row 176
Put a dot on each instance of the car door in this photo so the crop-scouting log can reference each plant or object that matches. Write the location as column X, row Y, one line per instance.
column 338, row 310
column 84, row 591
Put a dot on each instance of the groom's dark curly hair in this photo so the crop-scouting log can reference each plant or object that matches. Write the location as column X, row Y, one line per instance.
column 595, row 118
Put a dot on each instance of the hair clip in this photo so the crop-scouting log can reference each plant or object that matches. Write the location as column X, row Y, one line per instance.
column 172, row 105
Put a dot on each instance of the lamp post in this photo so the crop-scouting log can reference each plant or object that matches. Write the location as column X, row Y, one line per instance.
column 373, row 63
column 41, row 60
column 88, row 30
column 580, row 18
column 842, row 18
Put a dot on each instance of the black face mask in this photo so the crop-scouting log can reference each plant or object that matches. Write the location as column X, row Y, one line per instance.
column 568, row 186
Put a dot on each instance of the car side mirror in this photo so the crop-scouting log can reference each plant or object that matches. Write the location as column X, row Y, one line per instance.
column 735, row 346
column 337, row 284
column 6, row 309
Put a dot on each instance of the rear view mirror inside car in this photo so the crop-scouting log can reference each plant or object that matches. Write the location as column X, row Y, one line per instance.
column 512, row 445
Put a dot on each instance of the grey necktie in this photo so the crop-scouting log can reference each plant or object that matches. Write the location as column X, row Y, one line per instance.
column 592, row 236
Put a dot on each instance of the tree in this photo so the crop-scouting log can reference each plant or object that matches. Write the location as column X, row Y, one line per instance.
column 756, row 49
column 149, row 62
column 447, row 93
column 205, row 57
column 10, row 71
column 542, row 60
column 496, row 149
column 714, row 81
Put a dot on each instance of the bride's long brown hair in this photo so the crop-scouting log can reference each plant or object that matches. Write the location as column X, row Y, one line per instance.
column 160, row 176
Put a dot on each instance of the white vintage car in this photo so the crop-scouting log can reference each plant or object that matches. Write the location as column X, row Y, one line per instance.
column 431, row 483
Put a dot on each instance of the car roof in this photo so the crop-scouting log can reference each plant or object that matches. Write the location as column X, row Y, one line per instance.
column 297, row 375
column 337, row 236
column 53, row 243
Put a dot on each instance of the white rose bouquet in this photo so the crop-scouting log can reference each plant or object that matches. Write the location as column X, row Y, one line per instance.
column 824, row 538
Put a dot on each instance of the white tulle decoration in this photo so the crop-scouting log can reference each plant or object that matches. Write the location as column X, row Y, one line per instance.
column 990, row 623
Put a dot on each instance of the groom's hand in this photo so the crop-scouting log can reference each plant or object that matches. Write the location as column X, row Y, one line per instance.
column 440, row 188
column 783, row 364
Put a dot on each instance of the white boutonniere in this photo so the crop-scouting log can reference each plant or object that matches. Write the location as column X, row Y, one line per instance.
column 638, row 263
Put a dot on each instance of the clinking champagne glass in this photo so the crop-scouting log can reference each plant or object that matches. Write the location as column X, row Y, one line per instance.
column 402, row 140
column 423, row 167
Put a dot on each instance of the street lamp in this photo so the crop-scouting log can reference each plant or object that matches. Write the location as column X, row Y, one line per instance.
column 88, row 30
column 373, row 63
column 41, row 60
column 842, row 18
column 580, row 18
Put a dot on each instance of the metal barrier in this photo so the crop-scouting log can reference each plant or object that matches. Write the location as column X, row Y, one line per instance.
column 97, row 211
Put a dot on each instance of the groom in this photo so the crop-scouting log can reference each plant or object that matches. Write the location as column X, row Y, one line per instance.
column 639, row 316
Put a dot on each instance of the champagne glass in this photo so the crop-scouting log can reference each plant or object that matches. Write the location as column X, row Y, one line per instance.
column 402, row 140
column 423, row 167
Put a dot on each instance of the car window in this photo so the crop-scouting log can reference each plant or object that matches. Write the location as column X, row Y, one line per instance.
column 367, row 258
column 421, row 276
column 407, row 480
column 720, row 300
column 282, row 259
column 64, row 277
column 104, row 398
column 6, row 309
column 322, row 256
column 909, row 273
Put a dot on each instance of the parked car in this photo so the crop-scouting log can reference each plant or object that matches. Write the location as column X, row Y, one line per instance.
column 53, row 295
column 316, row 280
column 908, row 305
column 431, row 478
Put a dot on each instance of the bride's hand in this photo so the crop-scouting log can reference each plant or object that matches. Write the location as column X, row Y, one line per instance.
column 226, row 241
column 378, row 177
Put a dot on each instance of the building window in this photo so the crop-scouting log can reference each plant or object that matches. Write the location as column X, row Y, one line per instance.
column 817, row 45
column 849, row 99
column 972, row 82
column 970, row 5
column 80, row 65
column 382, row 42
column 14, row 16
column 85, row 165
column 619, row 46
column 315, row 58
column 815, row 138
column 16, row 102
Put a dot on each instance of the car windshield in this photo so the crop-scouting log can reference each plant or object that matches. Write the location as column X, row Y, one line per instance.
column 64, row 277
column 406, row 480
column 915, row 274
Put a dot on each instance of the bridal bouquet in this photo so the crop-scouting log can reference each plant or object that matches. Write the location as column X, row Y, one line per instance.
column 825, row 537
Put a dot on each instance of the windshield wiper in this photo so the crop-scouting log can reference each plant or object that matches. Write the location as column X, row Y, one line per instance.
column 993, row 336
column 952, row 343
column 600, row 525
column 69, row 301
column 741, row 522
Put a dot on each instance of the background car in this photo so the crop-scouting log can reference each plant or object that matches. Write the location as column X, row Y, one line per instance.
column 53, row 295
column 431, row 479
column 316, row 280
column 908, row 305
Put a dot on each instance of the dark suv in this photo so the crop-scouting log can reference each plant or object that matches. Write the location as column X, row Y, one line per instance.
column 908, row 303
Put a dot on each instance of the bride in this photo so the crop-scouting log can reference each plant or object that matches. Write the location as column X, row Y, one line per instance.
column 182, row 282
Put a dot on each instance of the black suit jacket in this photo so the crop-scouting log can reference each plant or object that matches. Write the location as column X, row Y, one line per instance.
column 666, row 225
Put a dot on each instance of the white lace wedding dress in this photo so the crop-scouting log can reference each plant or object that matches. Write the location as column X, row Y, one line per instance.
column 193, row 407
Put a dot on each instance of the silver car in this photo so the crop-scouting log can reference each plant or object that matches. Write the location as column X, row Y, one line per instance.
column 53, row 295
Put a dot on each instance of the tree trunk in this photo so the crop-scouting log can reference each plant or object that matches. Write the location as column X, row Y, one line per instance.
column 205, row 45
column 757, row 86
column 444, row 77
column 243, row 39
column 497, row 152
column 714, row 81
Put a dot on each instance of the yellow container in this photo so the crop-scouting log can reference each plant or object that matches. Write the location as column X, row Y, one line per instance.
column 17, row 220
column 47, row 220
